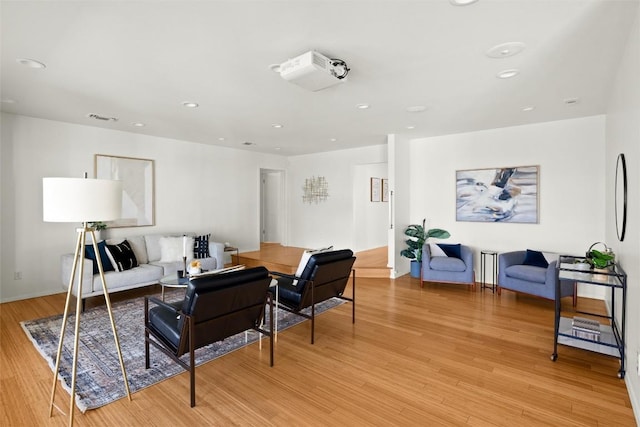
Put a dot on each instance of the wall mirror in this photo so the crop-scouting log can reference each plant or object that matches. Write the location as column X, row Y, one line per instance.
column 621, row 196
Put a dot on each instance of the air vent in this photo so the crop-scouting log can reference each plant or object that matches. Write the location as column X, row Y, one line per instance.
column 103, row 118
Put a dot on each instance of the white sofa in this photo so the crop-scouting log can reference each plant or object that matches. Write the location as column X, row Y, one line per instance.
column 151, row 269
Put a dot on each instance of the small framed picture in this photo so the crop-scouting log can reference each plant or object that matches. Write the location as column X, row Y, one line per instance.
column 385, row 190
column 376, row 189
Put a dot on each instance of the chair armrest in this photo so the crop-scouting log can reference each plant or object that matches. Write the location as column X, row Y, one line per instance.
column 288, row 276
column 551, row 275
column 216, row 250
column 426, row 253
column 161, row 303
column 467, row 256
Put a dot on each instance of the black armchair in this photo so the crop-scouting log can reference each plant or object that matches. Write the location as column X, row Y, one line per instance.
column 215, row 307
column 325, row 276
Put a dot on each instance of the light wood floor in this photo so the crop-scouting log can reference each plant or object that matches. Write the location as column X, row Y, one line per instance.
column 438, row 355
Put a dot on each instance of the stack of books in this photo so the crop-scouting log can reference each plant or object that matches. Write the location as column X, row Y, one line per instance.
column 585, row 328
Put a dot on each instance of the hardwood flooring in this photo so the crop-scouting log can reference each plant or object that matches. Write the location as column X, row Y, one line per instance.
column 438, row 355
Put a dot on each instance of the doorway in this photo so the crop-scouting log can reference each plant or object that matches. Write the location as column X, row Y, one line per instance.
column 272, row 206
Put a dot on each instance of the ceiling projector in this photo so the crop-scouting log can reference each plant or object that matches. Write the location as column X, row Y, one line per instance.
column 314, row 71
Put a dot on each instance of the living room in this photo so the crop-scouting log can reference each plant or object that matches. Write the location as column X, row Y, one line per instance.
column 213, row 188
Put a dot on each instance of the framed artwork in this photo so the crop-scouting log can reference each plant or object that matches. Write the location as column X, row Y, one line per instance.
column 137, row 176
column 376, row 189
column 498, row 194
column 385, row 190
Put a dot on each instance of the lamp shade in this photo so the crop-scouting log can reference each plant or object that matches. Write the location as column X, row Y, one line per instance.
column 81, row 199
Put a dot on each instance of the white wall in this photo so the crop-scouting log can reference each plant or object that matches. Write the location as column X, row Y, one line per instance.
column 623, row 136
column 570, row 155
column 330, row 222
column 198, row 188
column 370, row 219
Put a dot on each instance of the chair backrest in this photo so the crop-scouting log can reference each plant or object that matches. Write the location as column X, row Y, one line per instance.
column 329, row 272
column 223, row 305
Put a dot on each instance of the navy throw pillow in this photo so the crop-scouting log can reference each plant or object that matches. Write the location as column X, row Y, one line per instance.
column 452, row 251
column 535, row 259
column 89, row 253
column 201, row 246
column 122, row 256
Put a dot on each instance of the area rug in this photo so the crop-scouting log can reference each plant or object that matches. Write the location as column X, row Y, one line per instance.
column 99, row 376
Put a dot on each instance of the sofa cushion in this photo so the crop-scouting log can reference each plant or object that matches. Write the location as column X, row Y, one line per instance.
column 174, row 248
column 139, row 247
column 529, row 273
column 451, row 250
column 89, row 253
column 122, row 256
column 201, row 246
column 535, row 259
column 447, row 264
column 143, row 274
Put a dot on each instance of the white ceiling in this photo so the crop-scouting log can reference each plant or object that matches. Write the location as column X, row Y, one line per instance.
column 139, row 60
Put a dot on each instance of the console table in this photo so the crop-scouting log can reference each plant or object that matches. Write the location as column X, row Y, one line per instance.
column 607, row 338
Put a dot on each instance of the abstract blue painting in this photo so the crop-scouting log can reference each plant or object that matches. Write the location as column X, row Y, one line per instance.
column 498, row 195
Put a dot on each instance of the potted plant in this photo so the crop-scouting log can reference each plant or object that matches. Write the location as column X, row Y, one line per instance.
column 418, row 236
column 99, row 226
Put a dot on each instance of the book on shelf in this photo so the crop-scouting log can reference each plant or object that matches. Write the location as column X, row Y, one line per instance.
column 585, row 324
column 586, row 335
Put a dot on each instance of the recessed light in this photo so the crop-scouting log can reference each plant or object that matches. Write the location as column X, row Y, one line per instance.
column 462, row 2
column 528, row 108
column 8, row 101
column 277, row 148
column 411, row 127
column 247, row 143
column 416, row 109
column 277, row 125
column 31, row 63
column 362, row 106
column 222, row 138
column 333, row 139
column 505, row 50
column 138, row 124
column 190, row 104
column 507, row 74
column 571, row 101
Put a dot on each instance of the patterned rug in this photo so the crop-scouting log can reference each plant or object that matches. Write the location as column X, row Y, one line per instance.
column 99, row 376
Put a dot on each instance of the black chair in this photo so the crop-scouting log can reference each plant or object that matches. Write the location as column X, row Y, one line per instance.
column 215, row 307
column 325, row 276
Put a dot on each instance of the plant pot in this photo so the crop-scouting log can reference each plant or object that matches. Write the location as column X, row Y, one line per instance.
column 415, row 269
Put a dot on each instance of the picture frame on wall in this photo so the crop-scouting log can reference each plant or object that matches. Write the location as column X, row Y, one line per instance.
column 376, row 189
column 506, row 194
column 137, row 176
column 385, row 190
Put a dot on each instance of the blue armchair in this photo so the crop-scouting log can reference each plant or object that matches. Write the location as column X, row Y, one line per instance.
column 448, row 269
column 530, row 279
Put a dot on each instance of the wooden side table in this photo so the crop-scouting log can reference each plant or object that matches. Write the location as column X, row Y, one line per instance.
column 233, row 249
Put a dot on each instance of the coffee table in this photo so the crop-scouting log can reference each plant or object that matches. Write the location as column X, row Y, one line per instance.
column 173, row 281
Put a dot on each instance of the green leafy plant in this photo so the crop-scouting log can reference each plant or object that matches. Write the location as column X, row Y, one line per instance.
column 600, row 259
column 98, row 225
column 418, row 235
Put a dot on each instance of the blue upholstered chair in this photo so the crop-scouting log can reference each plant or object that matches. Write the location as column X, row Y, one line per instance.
column 517, row 271
column 448, row 269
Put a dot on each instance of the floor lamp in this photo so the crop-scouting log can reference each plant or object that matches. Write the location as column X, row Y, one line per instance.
column 81, row 200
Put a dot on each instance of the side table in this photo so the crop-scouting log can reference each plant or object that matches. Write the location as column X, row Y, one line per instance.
column 233, row 249
column 483, row 270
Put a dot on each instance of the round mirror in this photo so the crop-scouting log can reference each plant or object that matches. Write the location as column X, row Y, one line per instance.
column 621, row 196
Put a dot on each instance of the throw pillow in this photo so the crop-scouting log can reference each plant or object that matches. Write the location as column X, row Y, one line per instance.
column 89, row 253
column 452, row 250
column 436, row 250
column 172, row 248
column 122, row 256
column 535, row 258
column 305, row 258
column 201, row 246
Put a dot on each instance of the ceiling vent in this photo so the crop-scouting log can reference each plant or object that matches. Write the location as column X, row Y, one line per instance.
column 103, row 118
column 314, row 71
